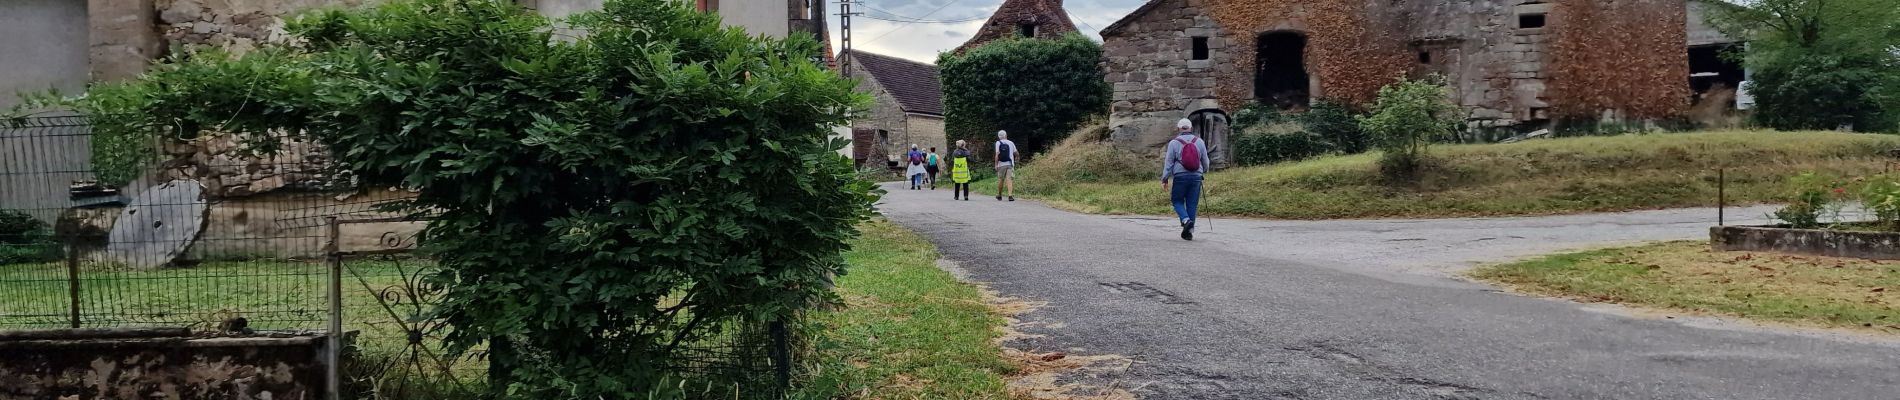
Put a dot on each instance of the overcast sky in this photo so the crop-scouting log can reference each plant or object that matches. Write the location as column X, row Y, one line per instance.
column 922, row 41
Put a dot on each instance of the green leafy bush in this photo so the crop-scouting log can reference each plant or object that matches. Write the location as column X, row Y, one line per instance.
column 1335, row 123
column 1881, row 194
column 603, row 202
column 1039, row 90
column 24, row 239
column 1262, row 146
column 1824, row 92
column 1812, row 197
column 1407, row 117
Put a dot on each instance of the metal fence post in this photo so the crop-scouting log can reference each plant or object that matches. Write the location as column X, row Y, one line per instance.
column 1721, row 197
column 333, row 386
column 72, row 276
column 782, row 355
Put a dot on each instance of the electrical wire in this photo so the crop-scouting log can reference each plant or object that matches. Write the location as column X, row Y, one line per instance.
column 946, row 4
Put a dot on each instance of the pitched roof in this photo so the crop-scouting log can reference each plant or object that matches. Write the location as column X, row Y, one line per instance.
column 1132, row 16
column 1051, row 20
column 914, row 84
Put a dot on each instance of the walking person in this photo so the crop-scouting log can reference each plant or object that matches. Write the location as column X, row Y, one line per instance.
column 1185, row 166
column 930, row 167
column 916, row 169
column 1006, row 156
column 960, row 171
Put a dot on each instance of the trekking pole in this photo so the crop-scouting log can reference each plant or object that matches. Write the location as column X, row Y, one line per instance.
column 1203, row 199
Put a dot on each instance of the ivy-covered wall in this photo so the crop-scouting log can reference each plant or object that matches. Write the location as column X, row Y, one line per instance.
column 1629, row 57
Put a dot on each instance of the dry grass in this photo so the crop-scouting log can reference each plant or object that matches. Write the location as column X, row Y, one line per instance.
column 1553, row 176
column 1689, row 277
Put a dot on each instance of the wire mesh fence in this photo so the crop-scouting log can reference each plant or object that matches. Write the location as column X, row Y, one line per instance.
column 224, row 240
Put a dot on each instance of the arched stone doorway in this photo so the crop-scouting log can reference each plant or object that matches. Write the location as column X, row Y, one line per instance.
column 1212, row 126
column 1280, row 76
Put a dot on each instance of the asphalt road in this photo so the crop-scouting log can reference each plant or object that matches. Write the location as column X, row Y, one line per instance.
column 1369, row 309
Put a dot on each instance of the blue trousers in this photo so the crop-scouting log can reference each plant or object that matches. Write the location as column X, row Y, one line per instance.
column 1186, row 197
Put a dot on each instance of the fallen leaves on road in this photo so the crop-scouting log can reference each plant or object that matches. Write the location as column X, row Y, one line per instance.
column 1054, row 375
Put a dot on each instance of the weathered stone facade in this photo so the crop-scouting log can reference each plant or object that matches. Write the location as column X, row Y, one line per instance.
column 1043, row 19
column 1502, row 58
column 906, row 108
column 237, row 25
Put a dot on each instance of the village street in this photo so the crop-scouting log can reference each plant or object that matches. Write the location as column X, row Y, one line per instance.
column 1369, row 309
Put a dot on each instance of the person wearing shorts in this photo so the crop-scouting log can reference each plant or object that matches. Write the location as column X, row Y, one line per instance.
column 1006, row 156
column 931, row 168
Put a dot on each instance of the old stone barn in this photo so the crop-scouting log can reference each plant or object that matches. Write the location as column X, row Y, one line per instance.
column 1513, row 65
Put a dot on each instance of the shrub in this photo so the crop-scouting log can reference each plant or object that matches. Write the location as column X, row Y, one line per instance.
column 1275, row 143
column 603, row 203
column 1039, row 90
column 24, row 239
column 1823, row 92
column 1087, row 156
column 1811, row 197
column 1881, row 194
column 1407, row 117
column 1335, row 124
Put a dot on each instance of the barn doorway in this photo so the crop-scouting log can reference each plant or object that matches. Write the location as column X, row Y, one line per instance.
column 1280, row 77
column 1212, row 126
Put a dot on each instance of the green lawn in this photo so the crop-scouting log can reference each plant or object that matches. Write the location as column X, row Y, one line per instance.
column 1547, row 176
column 1689, row 277
column 908, row 329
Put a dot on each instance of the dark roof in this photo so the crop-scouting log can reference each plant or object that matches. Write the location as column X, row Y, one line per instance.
column 1051, row 19
column 1131, row 17
column 914, row 84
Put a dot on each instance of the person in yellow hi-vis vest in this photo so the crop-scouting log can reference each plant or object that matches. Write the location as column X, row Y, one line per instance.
column 960, row 172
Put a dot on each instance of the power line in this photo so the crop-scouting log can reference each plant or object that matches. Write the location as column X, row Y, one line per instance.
column 946, row 4
column 895, row 17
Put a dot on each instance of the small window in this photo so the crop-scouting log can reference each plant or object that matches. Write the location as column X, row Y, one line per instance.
column 1200, row 48
column 804, row 10
column 1531, row 20
column 1027, row 30
column 1425, row 57
column 707, row 5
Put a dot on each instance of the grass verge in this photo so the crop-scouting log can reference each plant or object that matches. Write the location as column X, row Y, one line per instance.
column 1688, row 276
column 908, row 330
column 1553, row 176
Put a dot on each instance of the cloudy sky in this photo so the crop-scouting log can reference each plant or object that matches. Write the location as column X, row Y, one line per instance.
column 881, row 30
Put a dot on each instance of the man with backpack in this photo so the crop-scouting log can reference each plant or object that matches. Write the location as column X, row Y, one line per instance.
column 1185, row 166
column 1006, row 156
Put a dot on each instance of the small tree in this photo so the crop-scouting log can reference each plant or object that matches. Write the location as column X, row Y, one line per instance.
column 602, row 202
column 1407, row 117
column 1820, row 64
column 1039, row 90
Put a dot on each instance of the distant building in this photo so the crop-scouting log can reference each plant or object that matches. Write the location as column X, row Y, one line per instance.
column 1512, row 66
column 907, row 107
column 1026, row 18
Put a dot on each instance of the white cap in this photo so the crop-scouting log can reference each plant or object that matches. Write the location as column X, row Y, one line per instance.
column 1184, row 124
column 1002, row 134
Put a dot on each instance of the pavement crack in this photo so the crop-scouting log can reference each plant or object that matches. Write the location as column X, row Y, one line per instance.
column 1145, row 291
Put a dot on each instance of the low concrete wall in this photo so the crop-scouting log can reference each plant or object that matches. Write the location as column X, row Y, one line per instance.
column 1867, row 245
column 157, row 364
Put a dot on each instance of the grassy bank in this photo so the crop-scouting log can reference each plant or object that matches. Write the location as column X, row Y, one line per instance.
column 908, row 329
column 1552, row 176
column 1688, row 277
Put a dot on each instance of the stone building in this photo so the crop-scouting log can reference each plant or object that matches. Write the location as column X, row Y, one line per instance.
column 906, row 108
column 1027, row 18
column 1513, row 65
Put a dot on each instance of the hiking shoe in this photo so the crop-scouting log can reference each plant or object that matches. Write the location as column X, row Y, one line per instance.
column 1012, row 198
column 999, row 197
column 1187, row 233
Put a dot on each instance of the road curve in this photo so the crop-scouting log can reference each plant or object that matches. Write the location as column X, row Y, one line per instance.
column 1369, row 309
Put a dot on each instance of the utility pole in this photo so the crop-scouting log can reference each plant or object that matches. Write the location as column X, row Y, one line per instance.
column 844, row 31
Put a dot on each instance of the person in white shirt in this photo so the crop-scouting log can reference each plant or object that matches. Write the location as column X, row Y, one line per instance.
column 1006, row 156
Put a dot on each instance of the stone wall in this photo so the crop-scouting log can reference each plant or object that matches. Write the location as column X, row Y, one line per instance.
column 1156, row 81
column 900, row 129
column 238, row 25
column 1047, row 16
column 1623, row 60
column 173, row 366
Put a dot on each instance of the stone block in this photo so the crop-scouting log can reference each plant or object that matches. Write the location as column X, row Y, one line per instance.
column 182, row 11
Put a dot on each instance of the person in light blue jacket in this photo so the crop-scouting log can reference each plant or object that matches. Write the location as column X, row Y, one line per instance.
column 1185, row 166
